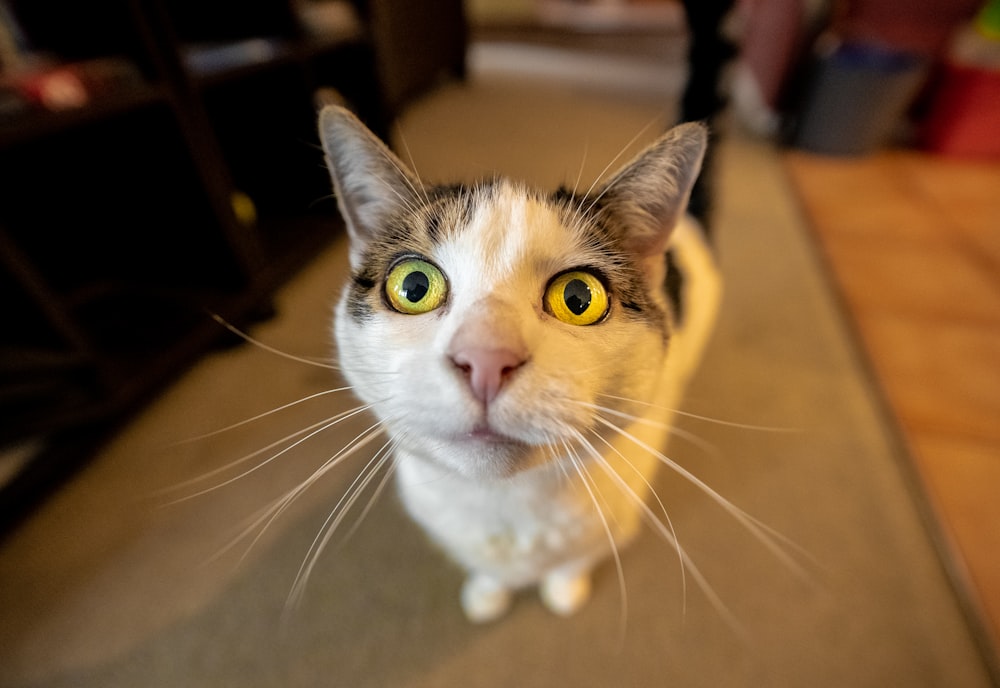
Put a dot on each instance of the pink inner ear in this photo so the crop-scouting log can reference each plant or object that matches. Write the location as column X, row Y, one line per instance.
column 650, row 194
column 653, row 241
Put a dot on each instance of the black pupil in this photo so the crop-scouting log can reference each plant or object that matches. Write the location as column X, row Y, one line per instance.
column 577, row 296
column 415, row 286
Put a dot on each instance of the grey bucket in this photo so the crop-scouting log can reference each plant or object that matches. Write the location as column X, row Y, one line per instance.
column 856, row 98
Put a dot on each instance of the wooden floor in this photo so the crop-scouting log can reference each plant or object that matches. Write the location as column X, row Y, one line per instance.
column 913, row 241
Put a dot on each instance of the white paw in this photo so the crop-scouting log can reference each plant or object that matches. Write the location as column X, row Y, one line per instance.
column 565, row 593
column 484, row 598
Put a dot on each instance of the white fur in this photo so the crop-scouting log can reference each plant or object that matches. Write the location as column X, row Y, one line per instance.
column 529, row 519
column 535, row 484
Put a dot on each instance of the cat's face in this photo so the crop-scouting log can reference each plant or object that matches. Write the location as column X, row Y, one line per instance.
column 483, row 324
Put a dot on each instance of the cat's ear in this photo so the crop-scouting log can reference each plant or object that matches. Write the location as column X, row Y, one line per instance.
column 371, row 183
column 649, row 195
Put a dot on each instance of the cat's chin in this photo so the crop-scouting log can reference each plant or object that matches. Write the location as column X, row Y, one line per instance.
column 489, row 455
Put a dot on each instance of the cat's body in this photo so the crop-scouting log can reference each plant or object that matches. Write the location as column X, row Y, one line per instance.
column 522, row 353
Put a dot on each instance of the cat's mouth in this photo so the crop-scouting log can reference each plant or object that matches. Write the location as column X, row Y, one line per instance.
column 487, row 434
column 487, row 453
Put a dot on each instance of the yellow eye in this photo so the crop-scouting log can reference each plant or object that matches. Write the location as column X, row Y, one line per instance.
column 415, row 286
column 577, row 298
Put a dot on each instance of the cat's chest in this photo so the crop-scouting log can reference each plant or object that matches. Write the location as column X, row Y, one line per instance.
column 516, row 524
column 534, row 535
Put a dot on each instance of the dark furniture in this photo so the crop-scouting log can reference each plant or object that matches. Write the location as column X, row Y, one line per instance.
column 186, row 182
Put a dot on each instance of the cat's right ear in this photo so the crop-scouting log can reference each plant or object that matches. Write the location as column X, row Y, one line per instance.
column 371, row 184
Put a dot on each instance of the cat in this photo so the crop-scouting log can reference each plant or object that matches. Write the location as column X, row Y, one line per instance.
column 523, row 353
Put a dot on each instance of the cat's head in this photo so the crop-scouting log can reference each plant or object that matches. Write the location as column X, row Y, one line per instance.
column 484, row 322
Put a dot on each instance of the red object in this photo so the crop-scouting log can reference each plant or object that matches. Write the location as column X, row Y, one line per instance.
column 56, row 89
column 964, row 119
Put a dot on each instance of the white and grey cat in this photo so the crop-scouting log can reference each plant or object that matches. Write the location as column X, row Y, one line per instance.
column 522, row 352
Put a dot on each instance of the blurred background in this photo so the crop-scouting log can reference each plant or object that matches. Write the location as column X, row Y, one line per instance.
column 158, row 164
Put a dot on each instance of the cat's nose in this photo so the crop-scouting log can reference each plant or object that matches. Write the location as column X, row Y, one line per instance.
column 487, row 370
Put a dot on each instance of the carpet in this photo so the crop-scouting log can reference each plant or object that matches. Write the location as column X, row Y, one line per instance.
column 113, row 582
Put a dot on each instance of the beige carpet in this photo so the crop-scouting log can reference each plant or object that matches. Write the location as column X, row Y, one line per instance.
column 110, row 585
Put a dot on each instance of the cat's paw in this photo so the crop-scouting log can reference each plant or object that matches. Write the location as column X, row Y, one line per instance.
column 564, row 593
column 484, row 599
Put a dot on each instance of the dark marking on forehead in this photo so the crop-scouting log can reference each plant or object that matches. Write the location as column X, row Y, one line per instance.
column 443, row 210
column 583, row 213
column 433, row 225
column 604, row 234
column 449, row 209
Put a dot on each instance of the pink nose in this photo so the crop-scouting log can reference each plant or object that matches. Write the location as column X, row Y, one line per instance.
column 487, row 369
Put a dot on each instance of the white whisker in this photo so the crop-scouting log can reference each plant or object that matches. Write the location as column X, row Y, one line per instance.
column 259, row 416
column 252, row 522
column 588, row 483
column 690, row 437
column 671, row 536
column 270, row 349
column 369, row 371
column 277, row 507
column 420, row 189
column 687, row 564
column 404, row 201
column 597, row 198
column 583, row 163
column 707, row 419
column 556, row 457
column 764, row 534
column 335, row 518
column 696, row 441
column 319, row 427
column 375, row 495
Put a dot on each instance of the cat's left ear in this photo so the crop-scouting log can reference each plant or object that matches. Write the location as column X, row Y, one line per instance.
column 649, row 195
column 372, row 184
